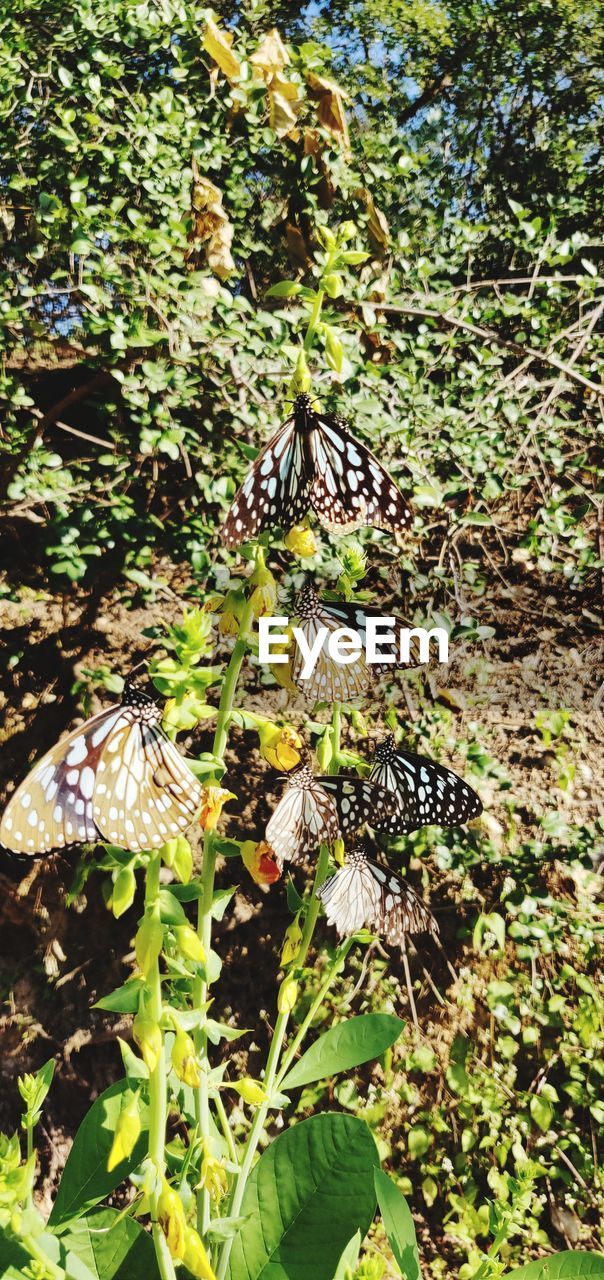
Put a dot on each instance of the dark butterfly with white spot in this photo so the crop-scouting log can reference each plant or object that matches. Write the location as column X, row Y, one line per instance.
column 331, row 681
column 314, row 461
column 316, row 810
column 426, row 793
column 362, row 894
column 116, row 778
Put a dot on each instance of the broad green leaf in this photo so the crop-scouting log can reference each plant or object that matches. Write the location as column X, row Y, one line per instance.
column 310, row 1192
column 571, row 1264
column 112, row 1248
column 398, row 1225
column 346, row 1045
column 85, row 1179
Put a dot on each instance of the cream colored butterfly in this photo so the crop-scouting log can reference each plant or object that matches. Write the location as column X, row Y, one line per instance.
column 117, row 778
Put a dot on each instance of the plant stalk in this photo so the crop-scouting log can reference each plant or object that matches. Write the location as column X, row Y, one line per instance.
column 158, row 1103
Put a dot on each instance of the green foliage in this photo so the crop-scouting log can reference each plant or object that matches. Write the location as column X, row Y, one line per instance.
column 86, row 1181
column 315, row 1186
column 343, row 1047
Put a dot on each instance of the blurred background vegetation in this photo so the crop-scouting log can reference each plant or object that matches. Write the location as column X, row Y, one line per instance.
column 156, row 181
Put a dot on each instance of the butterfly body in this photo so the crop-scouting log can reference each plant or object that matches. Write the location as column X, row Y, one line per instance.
column 317, row 810
column 363, row 894
column 314, row 461
column 426, row 793
column 116, row 778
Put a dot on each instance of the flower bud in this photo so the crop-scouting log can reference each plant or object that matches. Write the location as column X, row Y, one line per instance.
column 288, row 994
column 184, row 1060
column 195, row 1257
column 332, row 284
column 189, row 943
column 214, row 798
column 301, row 541
column 291, row 943
column 171, row 1218
column 147, row 1035
column 280, row 745
column 148, row 943
column 230, row 614
column 325, row 750
column 346, row 231
column 127, row 1133
column 259, row 859
column 251, row 1091
column 338, row 851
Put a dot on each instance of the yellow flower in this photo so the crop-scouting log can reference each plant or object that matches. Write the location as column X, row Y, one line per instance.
column 280, row 745
column 251, row 1091
column 171, row 1218
column 189, row 943
column 127, row 1133
column 184, row 1060
column 264, row 597
column 214, row 797
column 195, row 1257
column 147, row 1035
column 230, row 614
column 214, row 1177
column 259, row 859
column 301, row 541
column 288, row 994
column 291, row 943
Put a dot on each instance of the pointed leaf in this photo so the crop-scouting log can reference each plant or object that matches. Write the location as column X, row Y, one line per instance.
column 398, row 1225
column 571, row 1264
column 346, row 1045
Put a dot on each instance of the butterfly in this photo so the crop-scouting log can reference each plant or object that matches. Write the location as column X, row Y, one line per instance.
column 316, row 810
column 314, row 461
column 331, row 681
column 426, row 793
column 362, row 894
column 116, row 778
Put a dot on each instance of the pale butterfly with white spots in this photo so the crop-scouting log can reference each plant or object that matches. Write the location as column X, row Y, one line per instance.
column 314, row 461
column 363, row 895
column 316, row 810
column 426, row 793
column 117, row 778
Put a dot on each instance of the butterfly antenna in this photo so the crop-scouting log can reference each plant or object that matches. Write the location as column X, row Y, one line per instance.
column 409, row 987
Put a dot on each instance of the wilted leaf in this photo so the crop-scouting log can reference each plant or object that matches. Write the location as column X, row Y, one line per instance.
column 271, row 56
column 218, row 44
column 330, row 109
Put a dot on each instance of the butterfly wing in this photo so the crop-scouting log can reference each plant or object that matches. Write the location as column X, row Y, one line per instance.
column 275, row 491
column 350, row 897
column 53, row 805
column 399, row 909
column 305, row 817
column 145, row 793
column 350, row 488
column 329, row 681
column 426, row 793
column 359, row 800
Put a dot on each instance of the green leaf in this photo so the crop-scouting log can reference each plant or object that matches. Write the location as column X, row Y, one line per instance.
column 310, row 1192
column 112, row 1248
column 398, row 1225
column 542, row 1112
column 346, row 1045
column 85, row 1179
column 284, row 289
column 571, row 1264
column 123, row 999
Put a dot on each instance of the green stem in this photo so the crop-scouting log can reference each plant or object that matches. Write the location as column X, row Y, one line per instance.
column 204, row 918
column 315, row 316
column 158, row 1099
column 332, row 972
column 226, row 1129
column 34, row 1250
